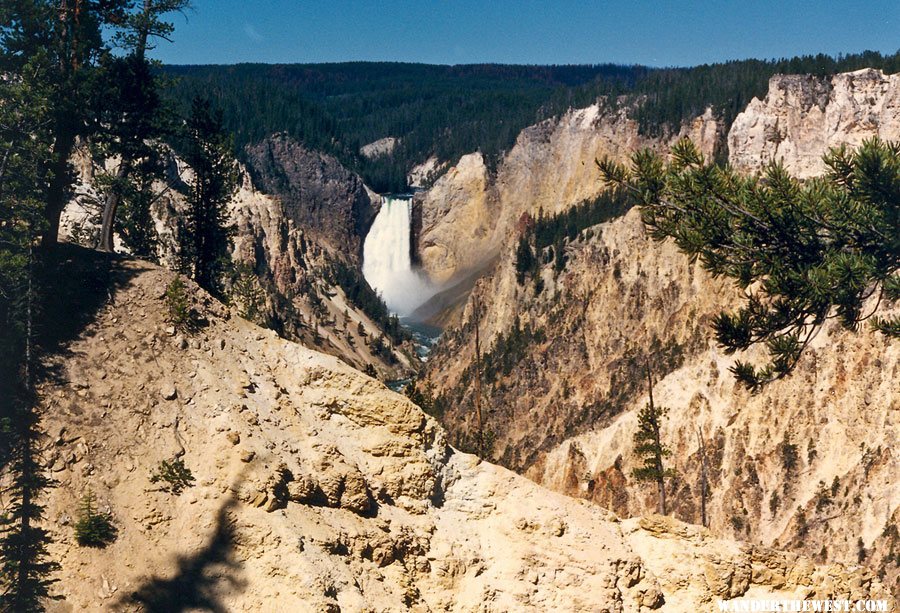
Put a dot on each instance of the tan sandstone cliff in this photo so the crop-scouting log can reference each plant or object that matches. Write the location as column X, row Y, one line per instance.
column 803, row 116
column 469, row 212
column 317, row 489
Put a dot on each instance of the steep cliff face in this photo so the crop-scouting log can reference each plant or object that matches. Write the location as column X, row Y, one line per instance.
column 806, row 464
column 305, row 300
column 469, row 212
column 803, row 116
column 315, row 488
column 317, row 193
column 455, row 220
column 585, row 334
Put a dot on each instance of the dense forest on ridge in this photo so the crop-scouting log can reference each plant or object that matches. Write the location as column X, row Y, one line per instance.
column 448, row 111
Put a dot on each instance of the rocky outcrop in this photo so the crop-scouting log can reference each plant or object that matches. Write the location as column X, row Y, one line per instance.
column 379, row 148
column 803, row 116
column 470, row 211
column 318, row 194
column 454, row 220
column 316, row 488
column 423, row 175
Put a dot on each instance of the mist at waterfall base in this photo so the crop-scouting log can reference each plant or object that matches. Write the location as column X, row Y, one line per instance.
column 387, row 261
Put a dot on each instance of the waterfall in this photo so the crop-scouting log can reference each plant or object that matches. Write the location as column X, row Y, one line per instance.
column 387, row 265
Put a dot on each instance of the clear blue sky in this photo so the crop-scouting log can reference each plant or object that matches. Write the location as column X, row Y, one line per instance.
column 656, row 33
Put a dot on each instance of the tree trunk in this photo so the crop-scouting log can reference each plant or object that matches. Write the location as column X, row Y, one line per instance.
column 476, row 307
column 703, row 483
column 110, row 206
column 59, row 182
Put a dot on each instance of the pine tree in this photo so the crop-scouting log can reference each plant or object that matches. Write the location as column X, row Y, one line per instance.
column 26, row 140
column 649, row 446
column 60, row 42
column 131, row 126
column 526, row 263
column 248, row 294
column 93, row 528
column 204, row 233
column 805, row 252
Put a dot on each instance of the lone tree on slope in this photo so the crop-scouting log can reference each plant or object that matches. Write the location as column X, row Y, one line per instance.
column 648, row 445
column 204, row 234
column 804, row 252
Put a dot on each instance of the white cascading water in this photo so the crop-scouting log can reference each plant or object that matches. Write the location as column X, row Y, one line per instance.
column 387, row 265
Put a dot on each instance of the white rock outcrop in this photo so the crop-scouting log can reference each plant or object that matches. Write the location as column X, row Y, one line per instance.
column 803, row 116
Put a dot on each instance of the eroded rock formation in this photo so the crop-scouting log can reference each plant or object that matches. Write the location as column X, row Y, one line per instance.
column 807, row 464
column 308, row 222
column 470, row 211
column 803, row 116
column 317, row 193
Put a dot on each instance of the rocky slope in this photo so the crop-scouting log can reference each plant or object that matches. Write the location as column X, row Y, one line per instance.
column 803, row 116
column 807, row 464
column 470, row 211
column 308, row 221
column 317, row 489
column 317, row 193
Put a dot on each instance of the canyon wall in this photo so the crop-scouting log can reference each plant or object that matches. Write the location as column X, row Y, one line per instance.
column 330, row 203
column 808, row 463
column 471, row 210
column 317, row 489
column 803, row 116
column 308, row 222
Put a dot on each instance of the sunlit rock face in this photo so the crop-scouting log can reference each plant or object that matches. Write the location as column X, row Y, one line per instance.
column 566, row 414
column 318, row 489
column 472, row 210
column 802, row 116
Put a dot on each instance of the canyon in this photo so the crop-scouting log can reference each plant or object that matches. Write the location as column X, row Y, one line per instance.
column 320, row 489
column 565, row 413
column 317, row 489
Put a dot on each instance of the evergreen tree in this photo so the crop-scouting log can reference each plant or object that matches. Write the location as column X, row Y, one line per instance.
column 94, row 528
column 26, row 140
column 526, row 263
column 204, row 233
column 131, row 125
column 649, row 446
column 62, row 42
column 805, row 252
column 248, row 294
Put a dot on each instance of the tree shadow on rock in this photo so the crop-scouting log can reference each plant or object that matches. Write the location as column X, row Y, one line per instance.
column 79, row 283
column 200, row 580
